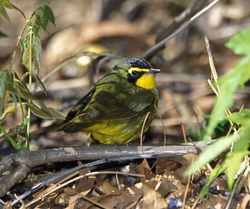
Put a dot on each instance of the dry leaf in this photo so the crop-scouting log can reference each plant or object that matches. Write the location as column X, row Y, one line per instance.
column 152, row 199
column 144, row 168
column 163, row 164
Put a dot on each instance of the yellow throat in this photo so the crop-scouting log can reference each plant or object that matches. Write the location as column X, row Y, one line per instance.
column 147, row 81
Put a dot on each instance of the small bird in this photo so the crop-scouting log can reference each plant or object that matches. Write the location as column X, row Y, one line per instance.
column 119, row 106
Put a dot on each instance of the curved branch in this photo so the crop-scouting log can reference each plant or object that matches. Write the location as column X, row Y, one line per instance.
column 20, row 164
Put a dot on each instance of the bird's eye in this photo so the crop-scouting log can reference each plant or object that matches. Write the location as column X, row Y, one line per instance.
column 134, row 73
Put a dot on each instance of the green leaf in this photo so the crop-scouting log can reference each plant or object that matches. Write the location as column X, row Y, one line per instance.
column 17, row 87
column 48, row 14
column 43, row 17
column 38, row 81
column 235, row 158
column 228, row 86
column 37, row 111
column 232, row 161
column 6, row 79
column 3, row 35
column 40, row 84
column 216, row 172
column 3, row 90
column 242, row 117
column 37, row 24
column 9, row 5
column 3, row 13
column 230, row 82
column 23, row 91
column 210, row 153
column 204, row 191
column 10, row 109
column 22, row 44
column 26, row 57
column 37, row 50
column 27, row 47
column 44, row 21
column 14, row 144
column 53, row 113
column 242, row 67
column 240, row 42
column 43, row 111
column 10, row 81
column 32, row 51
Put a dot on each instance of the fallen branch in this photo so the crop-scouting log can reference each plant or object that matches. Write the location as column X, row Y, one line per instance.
column 19, row 164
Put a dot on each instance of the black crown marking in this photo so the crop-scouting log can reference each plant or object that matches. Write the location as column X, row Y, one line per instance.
column 138, row 62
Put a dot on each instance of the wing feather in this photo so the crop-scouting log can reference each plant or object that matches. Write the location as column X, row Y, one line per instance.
column 112, row 98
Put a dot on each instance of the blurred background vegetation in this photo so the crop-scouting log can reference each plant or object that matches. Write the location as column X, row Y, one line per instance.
column 128, row 28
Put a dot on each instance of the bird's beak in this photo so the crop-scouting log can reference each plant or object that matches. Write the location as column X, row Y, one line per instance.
column 154, row 71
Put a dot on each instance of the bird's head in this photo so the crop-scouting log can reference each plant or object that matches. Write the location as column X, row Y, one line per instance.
column 138, row 72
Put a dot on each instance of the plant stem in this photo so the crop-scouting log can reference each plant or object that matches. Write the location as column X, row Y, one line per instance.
column 14, row 144
column 18, row 40
column 30, row 85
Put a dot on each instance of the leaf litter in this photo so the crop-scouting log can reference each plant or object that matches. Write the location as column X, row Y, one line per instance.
column 160, row 184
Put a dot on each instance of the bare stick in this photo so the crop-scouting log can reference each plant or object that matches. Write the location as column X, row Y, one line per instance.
column 180, row 22
column 142, row 130
column 21, row 163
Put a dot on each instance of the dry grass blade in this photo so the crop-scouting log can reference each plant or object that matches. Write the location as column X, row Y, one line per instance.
column 215, row 77
column 183, row 133
column 186, row 191
column 212, row 67
column 142, row 130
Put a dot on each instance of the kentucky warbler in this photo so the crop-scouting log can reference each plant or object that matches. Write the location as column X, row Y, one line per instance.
column 115, row 108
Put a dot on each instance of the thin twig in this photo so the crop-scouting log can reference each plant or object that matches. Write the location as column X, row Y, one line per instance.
column 196, row 201
column 183, row 133
column 93, row 201
column 211, row 63
column 142, row 130
column 185, row 193
column 153, row 50
column 66, row 61
column 162, row 123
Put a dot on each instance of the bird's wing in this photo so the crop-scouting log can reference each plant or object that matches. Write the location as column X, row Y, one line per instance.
column 80, row 105
column 108, row 101
column 95, row 107
column 106, row 106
